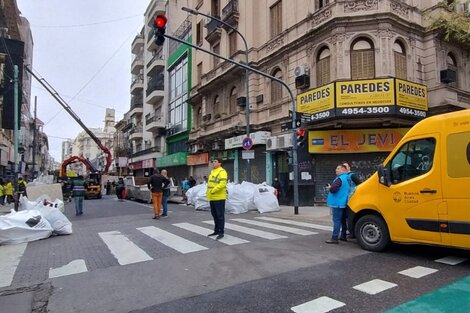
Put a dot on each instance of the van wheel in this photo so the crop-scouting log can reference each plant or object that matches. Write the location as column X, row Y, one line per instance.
column 372, row 233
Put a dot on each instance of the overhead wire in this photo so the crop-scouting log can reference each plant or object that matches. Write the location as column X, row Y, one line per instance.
column 86, row 25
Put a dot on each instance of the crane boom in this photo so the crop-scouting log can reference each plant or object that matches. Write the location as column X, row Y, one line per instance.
column 69, row 110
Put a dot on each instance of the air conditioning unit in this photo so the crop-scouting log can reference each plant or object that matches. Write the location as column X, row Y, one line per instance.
column 302, row 82
column 241, row 101
column 285, row 141
column 271, row 143
column 216, row 146
column 448, row 76
column 302, row 70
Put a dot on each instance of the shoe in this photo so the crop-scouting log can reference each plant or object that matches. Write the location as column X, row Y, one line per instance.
column 164, row 215
column 220, row 236
column 351, row 237
column 213, row 234
column 343, row 239
column 334, row 241
column 156, row 217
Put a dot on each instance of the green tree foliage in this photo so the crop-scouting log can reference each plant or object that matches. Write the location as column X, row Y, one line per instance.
column 455, row 26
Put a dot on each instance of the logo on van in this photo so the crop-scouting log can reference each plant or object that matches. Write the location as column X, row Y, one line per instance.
column 397, row 197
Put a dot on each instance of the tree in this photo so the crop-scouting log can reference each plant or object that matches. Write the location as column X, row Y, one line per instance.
column 454, row 25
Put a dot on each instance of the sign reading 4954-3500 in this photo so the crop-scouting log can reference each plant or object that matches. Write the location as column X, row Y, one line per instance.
column 365, row 97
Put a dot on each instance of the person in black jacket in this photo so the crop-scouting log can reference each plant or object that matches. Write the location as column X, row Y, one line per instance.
column 156, row 184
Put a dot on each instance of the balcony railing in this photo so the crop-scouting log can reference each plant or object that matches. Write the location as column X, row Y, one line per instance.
column 150, row 118
column 147, row 151
column 154, row 85
column 137, row 100
column 136, row 130
column 213, row 30
column 230, row 13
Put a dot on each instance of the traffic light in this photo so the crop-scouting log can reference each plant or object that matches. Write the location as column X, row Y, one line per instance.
column 300, row 136
column 159, row 25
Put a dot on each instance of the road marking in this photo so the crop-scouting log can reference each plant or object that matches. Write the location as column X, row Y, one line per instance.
column 320, row 305
column 168, row 239
column 374, row 286
column 10, row 256
column 125, row 251
column 418, row 271
column 250, row 231
column 74, row 267
column 286, row 229
column 290, row 222
column 451, row 260
column 228, row 240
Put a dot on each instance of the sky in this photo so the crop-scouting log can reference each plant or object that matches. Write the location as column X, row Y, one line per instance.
column 83, row 49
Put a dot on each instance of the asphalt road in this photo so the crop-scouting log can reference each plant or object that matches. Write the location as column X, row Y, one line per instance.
column 124, row 261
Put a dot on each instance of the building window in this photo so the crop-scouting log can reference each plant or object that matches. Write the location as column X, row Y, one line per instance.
column 362, row 59
column 215, row 8
column 216, row 50
column 216, row 109
column 275, row 13
column 199, row 33
column 198, row 118
column 178, row 108
column 321, row 3
column 232, row 41
column 233, row 101
column 399, row 53
column 276, row 88
column 199, row 73
column 452, row 65
column 323, row 67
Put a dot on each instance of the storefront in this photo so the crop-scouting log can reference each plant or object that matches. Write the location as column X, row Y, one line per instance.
column 199, row 166
column 142, row 168
column 176, row 166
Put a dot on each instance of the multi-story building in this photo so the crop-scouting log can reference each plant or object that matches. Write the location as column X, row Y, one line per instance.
column 362, row 73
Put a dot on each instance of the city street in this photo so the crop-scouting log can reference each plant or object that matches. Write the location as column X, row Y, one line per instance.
column 121, row 260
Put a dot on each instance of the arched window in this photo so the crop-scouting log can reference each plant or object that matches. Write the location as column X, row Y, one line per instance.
column 233, row 101
column 452, row 65
column 362, row 59
column 399, row 54
column 323, row 66
column 216, row 109
column 276, row 88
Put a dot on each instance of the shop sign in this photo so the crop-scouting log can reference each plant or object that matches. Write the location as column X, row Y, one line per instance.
column 318, row 102
column 259, row 138
column 412, row 98
column 135, row 165
column 224, row 154
column 198, row 159
column 354, row 141
column 175, row 159
column 150, row 163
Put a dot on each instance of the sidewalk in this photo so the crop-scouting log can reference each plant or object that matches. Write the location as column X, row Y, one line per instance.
column 307, row 213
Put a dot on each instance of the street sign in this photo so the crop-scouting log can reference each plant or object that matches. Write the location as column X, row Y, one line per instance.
column 247, row 143
column 248, row 154
column 286, row 126
column 298, row 123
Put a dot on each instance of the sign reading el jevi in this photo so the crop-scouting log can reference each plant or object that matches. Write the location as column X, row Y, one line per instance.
column 354, row 141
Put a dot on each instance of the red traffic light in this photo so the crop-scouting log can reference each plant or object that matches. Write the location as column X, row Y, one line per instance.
column 160, row 21
column 300, row 132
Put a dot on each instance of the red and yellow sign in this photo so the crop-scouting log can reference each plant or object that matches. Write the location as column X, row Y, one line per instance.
column 197, row 159
column 354, row 141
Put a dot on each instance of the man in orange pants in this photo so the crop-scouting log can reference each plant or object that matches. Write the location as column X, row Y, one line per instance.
column 156, row 184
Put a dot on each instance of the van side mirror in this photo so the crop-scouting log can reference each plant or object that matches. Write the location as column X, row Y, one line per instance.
column 384, row 176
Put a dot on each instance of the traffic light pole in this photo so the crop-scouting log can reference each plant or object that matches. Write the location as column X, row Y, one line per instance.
column 16, row 134
column 294, row 113
column 247, row 84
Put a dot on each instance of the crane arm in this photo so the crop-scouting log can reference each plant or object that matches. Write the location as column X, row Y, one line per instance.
column 69, row 110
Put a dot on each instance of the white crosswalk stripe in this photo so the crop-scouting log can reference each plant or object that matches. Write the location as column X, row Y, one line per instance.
column 10, row 256
column 125, row 251
column 286, row 229
column 173, row 241
column 451, row 260
column 250, row 231
column 228, row 239
column 319, row 305
column 418, row 271
column 374, row 286
column 296, row 223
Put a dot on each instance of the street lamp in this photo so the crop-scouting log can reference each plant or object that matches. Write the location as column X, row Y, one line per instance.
column 247, row 104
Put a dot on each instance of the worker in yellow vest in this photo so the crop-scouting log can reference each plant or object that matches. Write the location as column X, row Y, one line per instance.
column 8, row 189
column 22, row 187
column 216, row 195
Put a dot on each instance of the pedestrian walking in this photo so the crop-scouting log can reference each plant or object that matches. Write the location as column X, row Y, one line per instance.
column 78, row 192
column 337, row 199
column 353, row 180
column 166, row 193
column 185, row 187
column 108, row 187
column 192, row 182
column 121, row 189
column 217, row 194
column 156, row 184
column 277, row 186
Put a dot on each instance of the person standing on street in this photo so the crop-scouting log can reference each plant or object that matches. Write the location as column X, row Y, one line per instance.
column 166, row 193
column 185, row 187
column 217, row 194
column 120, row 189
column 192, row 182
column 78, row 192
column 353, row 181
column 337, row 199
column 8, row 191
column 108, row 187
column 156, row 184
column 22, row 187
column 277, row 186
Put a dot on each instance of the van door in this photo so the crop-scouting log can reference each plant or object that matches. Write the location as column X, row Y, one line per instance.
column 456, row 190
column 410, row 204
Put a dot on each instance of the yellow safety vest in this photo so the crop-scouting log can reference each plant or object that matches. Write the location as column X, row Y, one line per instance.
column 9, row 189
column 217, row 185
column 1, row 191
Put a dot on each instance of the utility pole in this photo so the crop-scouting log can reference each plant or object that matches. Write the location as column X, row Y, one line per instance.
column 15, row 135
column 34, row 136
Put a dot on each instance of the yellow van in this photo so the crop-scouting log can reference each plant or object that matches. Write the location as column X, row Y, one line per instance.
column 421, row 193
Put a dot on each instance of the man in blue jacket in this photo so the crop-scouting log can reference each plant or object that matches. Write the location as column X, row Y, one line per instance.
column 338, row 193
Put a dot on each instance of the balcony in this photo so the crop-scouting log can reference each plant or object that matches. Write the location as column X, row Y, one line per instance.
column 230, row 14
column 137, row 44
column 137, row 64
column 137, row 85
column 148, row 151
column 155, row 90
column 156, row 61
column 136, row 109
column 154, row 122
column 213, row 31
column 136, row 133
